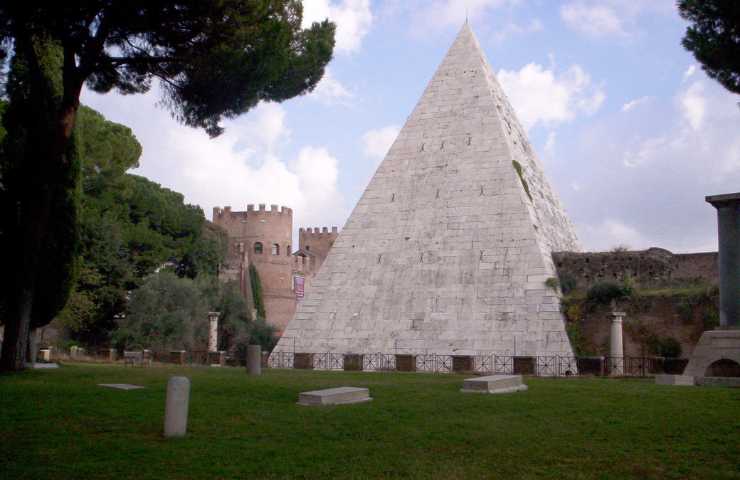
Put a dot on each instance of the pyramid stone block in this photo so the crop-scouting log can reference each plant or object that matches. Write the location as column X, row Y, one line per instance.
column 448, row 249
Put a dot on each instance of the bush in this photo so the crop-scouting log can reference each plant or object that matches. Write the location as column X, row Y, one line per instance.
column 603, row 293
column 667, row 347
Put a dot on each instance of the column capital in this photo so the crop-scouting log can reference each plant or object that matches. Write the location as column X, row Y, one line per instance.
column 724, row 200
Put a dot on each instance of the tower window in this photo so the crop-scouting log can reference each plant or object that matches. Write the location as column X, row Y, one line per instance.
column 275, row 249
column 258, row 248
column 287, row 249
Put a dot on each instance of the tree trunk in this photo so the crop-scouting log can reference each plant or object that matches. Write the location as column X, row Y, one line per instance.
column 41, row 214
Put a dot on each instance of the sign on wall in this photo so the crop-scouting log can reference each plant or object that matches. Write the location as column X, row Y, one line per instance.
column 298, row 282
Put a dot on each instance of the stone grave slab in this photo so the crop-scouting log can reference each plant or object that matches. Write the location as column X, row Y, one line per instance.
column 45, row 366
column 334, row 396
column 718, row 381
column 120, row 386
column 494, row 384
column 684, row 380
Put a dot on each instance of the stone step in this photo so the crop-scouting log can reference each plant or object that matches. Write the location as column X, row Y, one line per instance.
column 334, row 396
column 494, row 384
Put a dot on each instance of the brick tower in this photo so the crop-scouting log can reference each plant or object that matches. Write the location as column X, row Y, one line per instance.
column 263, row 238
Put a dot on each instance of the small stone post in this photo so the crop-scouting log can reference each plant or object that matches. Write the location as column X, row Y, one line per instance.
column 254, row 360
column 176, row 407
column 728, row 222
column 616, row 344
column 213, row 331
column 112, row 354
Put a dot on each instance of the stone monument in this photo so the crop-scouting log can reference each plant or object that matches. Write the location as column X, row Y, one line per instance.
column 718, row 352
column 449, row 247
column 616, row 345
column 176, row 407
column 213, row 331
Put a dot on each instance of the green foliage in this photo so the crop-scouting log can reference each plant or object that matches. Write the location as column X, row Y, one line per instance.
column 604, row 293
column 567, row 283
column 714, row 38
column 171, row 313
column 552, row 282
column 667, row 347
column 578, row 341
column 520, row 173
column 257, row 292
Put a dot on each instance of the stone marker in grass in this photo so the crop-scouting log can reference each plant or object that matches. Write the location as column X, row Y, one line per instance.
column 334, row 396
column 254, row 360
column 494, row 384
column 120, row 386
column 176, row 407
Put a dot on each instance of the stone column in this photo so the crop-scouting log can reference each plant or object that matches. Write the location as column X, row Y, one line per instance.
column 728, row 220
column 213, row 331
column 176, row 407
column 254, row 360
column 616, row 344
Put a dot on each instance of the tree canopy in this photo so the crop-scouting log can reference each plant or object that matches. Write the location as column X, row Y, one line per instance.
column 212, row 59
column 714, row 38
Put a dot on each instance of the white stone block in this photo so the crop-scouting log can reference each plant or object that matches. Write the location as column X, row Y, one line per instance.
column 334, row 396
column 494, row 384
column 176, row 407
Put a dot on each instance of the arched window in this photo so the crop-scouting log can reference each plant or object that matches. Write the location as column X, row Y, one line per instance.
column 287, row 250
column 275, row 249
column 258, row 248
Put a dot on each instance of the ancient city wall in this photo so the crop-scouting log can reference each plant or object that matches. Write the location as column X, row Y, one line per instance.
column 652, row 268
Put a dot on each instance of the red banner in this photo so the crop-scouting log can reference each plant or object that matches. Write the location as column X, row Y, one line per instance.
column 298, row 282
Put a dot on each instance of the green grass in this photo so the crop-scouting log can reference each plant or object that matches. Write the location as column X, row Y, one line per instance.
column 60, row 424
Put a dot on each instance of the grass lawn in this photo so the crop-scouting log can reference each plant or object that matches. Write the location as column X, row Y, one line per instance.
column 59, row 424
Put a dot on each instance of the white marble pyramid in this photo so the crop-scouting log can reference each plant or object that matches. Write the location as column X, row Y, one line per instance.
column 449, row 248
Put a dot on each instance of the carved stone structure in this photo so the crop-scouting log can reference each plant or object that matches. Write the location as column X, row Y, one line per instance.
column 449, row 248
column 718, row 352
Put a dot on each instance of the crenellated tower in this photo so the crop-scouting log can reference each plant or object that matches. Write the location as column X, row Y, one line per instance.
column 261, row 237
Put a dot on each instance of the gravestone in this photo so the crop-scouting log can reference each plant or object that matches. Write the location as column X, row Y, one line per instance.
column 176, row 407
column 683, row 380
column 334, row 396
column 120, row 386
column 254, row 360
column 494, row 384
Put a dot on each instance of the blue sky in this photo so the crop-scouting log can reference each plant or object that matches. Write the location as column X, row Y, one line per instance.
column 631, row 132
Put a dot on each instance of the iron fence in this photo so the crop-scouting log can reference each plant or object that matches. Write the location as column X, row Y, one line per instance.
column 487, row 364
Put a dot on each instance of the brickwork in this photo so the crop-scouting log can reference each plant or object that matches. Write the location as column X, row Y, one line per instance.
column 262, row 237
column 449, row 247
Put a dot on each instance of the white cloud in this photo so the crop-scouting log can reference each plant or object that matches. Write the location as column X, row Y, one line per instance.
column 690, row 71
column 550, row 144
column 543, row 96
column 596, row 20
column 693, row 105
column 632, row 104
column 247, row 164
column 376, row 143
column 643, row 177
column 331, row 91
column 512, row 28
column 353, row 18
column 600, row 18
column 611, row 233
column 444, row 13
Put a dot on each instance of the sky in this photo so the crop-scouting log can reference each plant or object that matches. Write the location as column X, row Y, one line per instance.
column 631, row 132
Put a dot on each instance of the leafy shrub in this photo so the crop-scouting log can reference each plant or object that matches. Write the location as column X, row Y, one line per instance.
column 552, row 282
column 567, row 284
column 667, row 347
column 604, row 292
